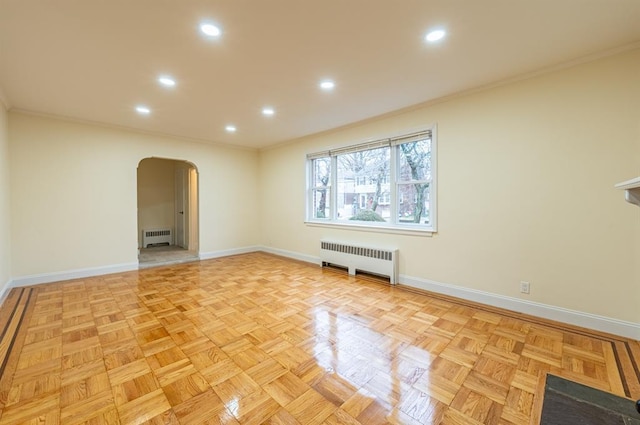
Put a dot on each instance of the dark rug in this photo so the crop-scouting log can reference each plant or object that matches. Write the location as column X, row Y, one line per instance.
column 567, row 402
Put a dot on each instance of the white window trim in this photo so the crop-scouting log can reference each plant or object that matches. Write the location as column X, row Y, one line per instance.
column 395, row 228
column 373, row 228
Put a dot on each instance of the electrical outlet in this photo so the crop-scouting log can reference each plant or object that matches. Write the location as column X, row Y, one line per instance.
column 524, row 287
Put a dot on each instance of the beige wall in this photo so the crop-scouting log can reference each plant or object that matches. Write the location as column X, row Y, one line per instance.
column 5, row 223
column 526, row 174
column 156, row 195
column 74, row 193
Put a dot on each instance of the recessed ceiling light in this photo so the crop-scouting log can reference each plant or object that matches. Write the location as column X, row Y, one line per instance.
column 143, row 110
column 435, row 35
column 166, row 81
column 230, row 128
column 327, row 85
column 268, row 111
column 210, row 29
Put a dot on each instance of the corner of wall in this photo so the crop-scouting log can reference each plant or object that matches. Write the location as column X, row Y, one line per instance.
column 4, row 102
column 6, row 288
column 262, row 196
column 5, row 200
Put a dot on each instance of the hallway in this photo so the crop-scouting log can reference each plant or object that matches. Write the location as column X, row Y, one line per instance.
column 165, row 255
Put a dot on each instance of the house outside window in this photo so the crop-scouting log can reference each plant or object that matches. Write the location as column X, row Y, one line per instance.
column 387, row 184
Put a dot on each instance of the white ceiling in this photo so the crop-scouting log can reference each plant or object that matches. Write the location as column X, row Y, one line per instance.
column 95, row 60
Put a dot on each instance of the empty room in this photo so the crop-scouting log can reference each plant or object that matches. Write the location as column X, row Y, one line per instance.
column 340, row 212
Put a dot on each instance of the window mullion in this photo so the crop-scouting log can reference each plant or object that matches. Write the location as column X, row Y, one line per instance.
column 333, row 183
column 393, row 184
column 310, row 188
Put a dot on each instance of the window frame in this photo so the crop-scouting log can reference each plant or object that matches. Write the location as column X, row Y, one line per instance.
column 394, row 225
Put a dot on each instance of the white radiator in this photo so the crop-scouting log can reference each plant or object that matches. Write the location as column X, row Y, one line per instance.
column 157, row 237
column 357, row 257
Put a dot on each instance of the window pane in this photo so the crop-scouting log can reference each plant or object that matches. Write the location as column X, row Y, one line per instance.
column 363, row 180
column 415, row 161
column 321, row 203
column 413, row 203
column 321, row 172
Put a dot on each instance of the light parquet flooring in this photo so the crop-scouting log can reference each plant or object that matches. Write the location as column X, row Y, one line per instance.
column 255, row 339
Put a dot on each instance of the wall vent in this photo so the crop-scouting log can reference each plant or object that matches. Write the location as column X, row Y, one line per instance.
column 155, row 237
column 363, row 258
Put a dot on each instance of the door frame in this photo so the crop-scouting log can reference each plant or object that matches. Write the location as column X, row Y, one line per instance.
column 181, row 206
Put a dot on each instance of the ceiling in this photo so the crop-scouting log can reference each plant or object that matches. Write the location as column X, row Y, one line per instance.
column 95, row 60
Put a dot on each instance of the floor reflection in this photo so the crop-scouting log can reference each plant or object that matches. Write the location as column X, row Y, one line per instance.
column 381, row 385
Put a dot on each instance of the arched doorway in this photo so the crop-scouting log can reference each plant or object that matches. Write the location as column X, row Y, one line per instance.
column 167, row 212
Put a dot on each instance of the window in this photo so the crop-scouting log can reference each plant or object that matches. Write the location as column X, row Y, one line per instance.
column 389, row 184
column 384, row 199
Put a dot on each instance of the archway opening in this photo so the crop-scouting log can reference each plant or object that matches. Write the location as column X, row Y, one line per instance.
column 167, row 212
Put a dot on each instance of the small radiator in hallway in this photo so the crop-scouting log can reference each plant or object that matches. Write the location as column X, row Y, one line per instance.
column 362, row 258
column 157, row 237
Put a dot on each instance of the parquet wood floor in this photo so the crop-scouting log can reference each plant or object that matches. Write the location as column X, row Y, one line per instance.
column 255, row 339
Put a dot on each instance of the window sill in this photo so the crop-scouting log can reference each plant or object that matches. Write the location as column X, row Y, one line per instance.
column 397, row 230
column 632, row 190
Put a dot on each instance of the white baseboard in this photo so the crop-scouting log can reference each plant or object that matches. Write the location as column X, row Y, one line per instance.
column 228, row 252
column 37, row 279
column 292, row 255
column 117, row 268
column 5, row 291
column 560, row 314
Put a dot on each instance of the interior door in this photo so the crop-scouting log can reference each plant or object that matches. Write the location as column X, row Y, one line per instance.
column 181, row 203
